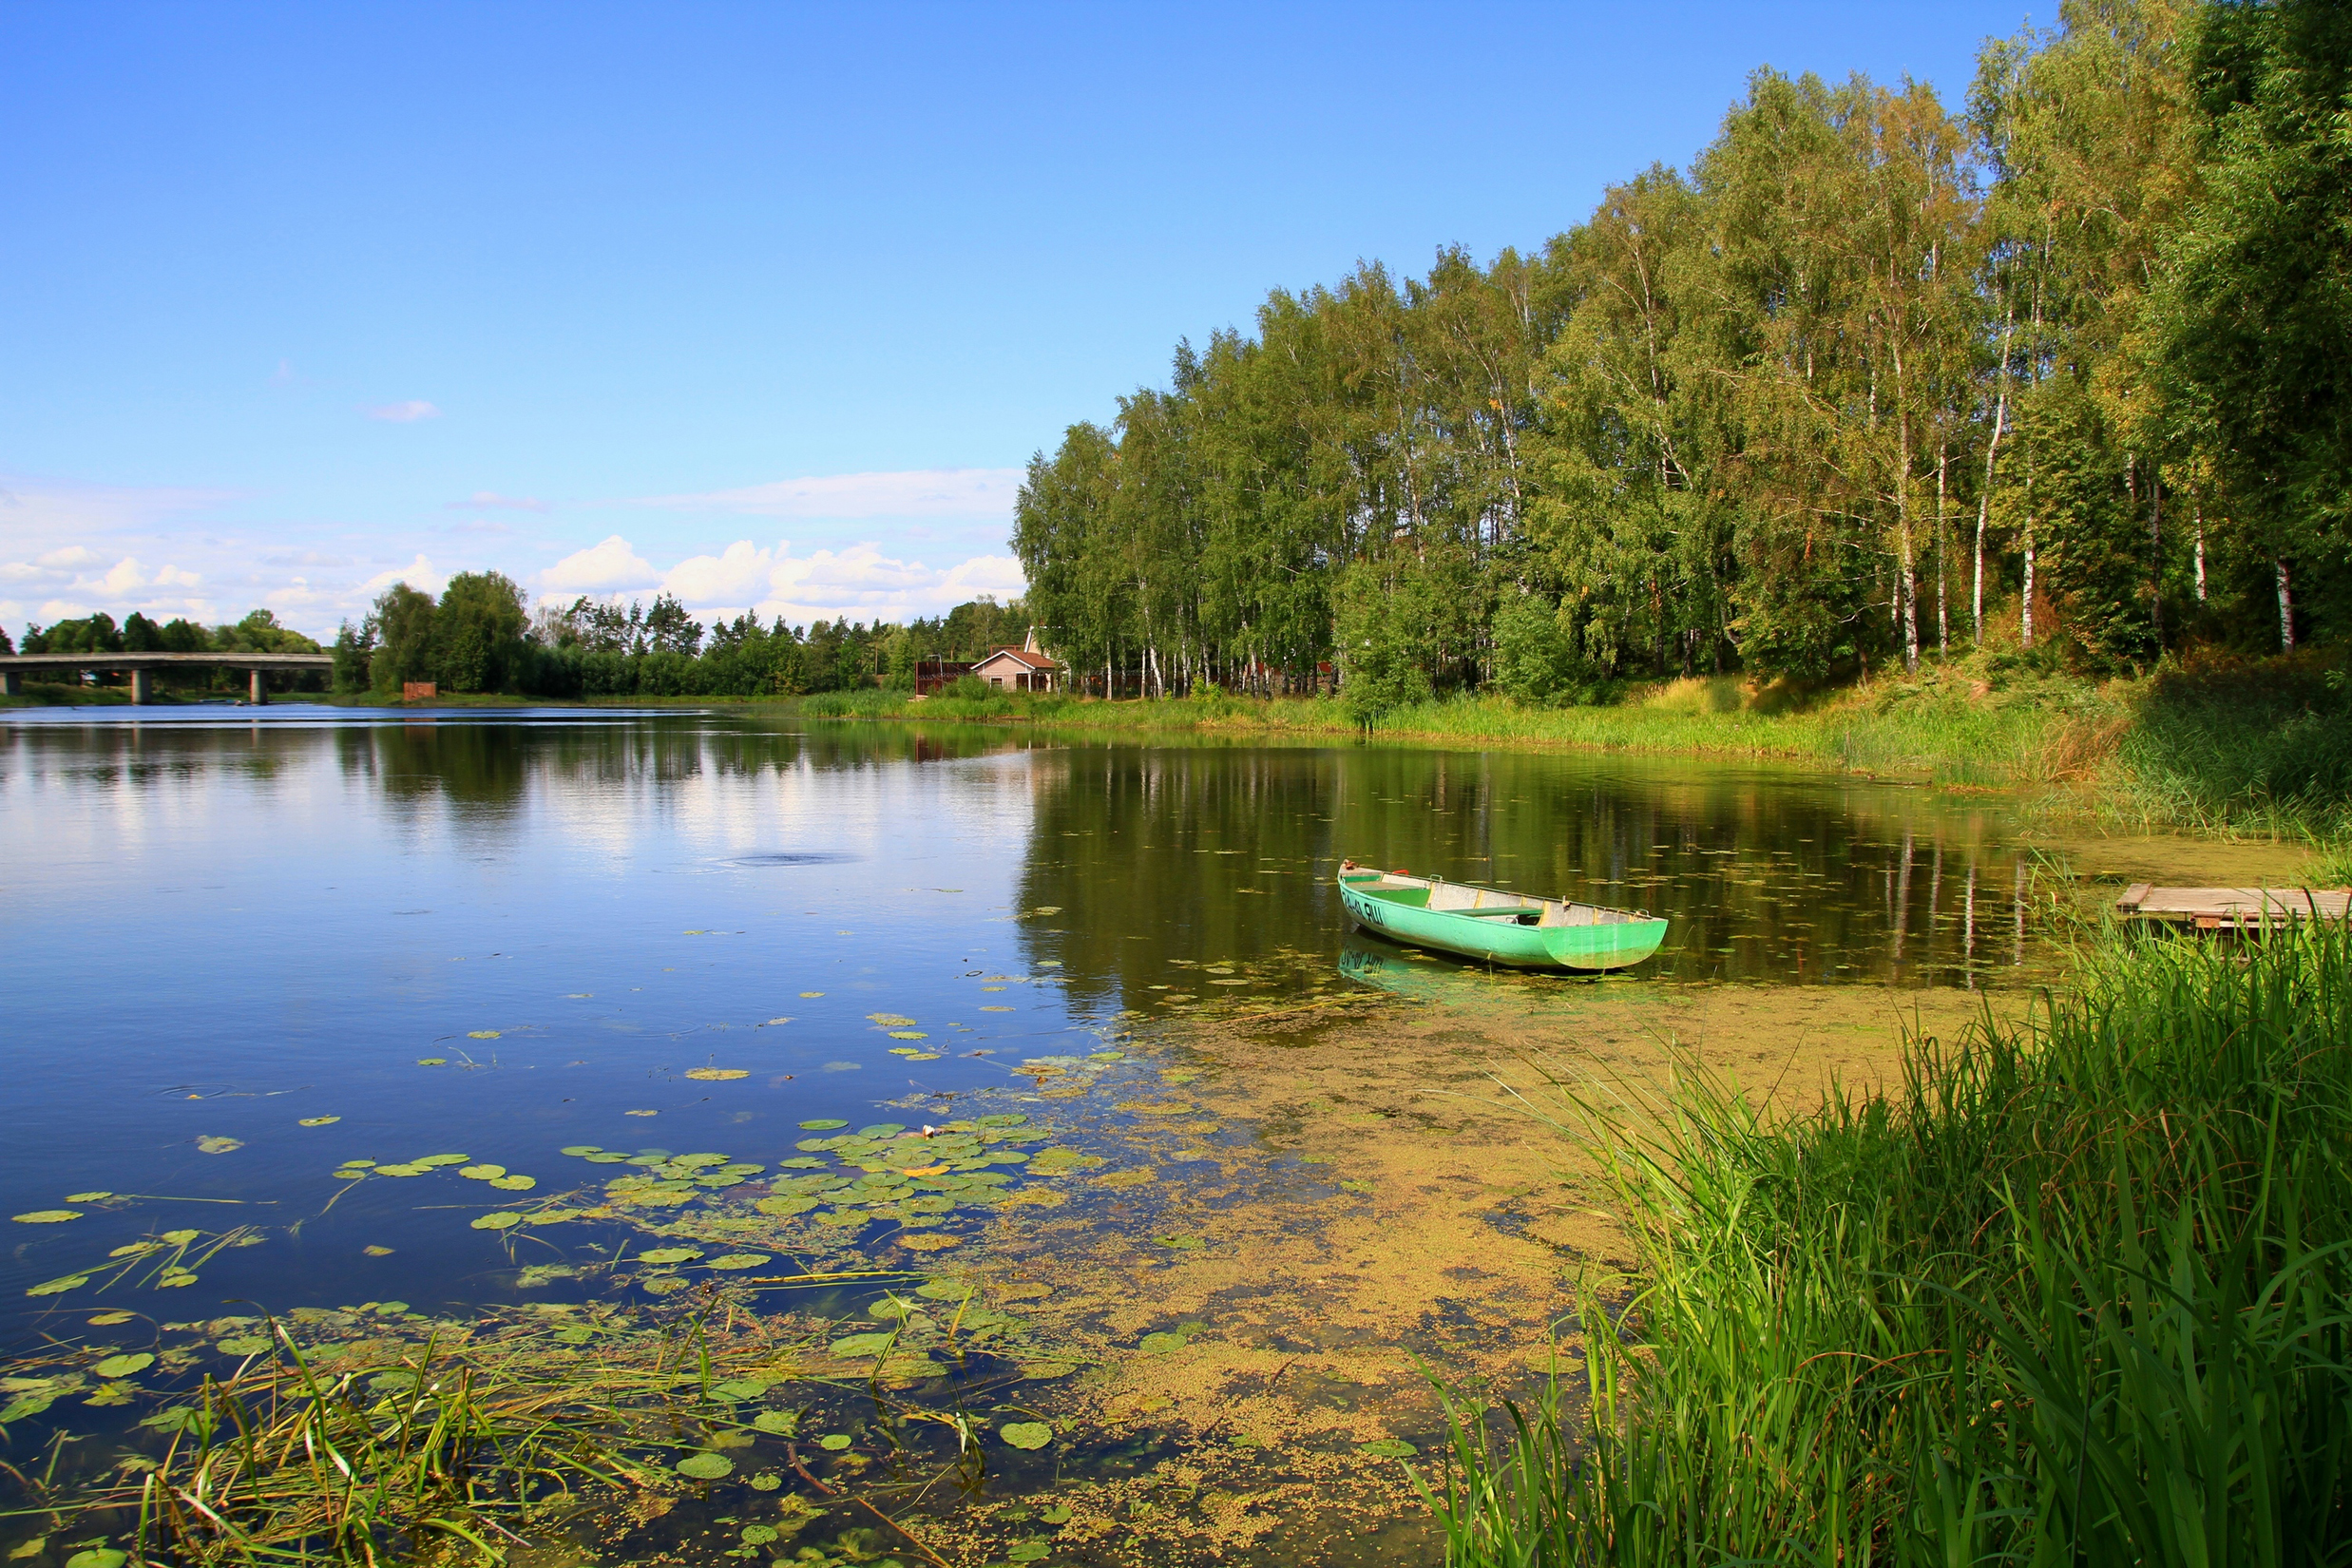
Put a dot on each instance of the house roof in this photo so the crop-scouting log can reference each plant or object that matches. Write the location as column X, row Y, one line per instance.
column 1021, row 656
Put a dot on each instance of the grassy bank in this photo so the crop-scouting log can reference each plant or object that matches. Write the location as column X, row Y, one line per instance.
column 2258, row 746
column 2069, row 1295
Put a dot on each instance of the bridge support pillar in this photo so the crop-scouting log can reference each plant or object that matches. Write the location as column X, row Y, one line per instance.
column 142, row 686
column 261, row 687
column 11, row 684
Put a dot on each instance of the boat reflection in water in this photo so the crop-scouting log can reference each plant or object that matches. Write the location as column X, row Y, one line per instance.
column 1443, row 977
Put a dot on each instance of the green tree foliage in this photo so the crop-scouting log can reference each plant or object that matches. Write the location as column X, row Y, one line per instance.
column 2255, row 302
column 1870, row 373
column 401, row 628
column 477, row 633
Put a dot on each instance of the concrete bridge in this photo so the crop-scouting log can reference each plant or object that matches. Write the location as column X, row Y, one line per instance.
column 140, row 667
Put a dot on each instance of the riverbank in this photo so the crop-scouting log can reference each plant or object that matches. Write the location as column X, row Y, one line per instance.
column 2070, row 1284
column 2259, row 747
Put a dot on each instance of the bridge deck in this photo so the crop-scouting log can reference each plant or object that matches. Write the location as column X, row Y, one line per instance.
column 141, row 666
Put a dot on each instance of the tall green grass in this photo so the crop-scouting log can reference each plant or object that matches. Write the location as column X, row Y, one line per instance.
column 2068, row 1293
column 2251, row 745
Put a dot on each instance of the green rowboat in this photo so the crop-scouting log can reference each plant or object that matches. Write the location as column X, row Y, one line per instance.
column 1526, row 933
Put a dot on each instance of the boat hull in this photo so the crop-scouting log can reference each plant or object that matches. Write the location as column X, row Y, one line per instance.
column 1613, row 940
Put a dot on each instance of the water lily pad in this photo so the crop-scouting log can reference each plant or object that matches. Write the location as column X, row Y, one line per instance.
column 174, row 1278
column 1054, row 1516
column 107, row 1320
column 909, row 1034
column 923, row 1055
column 670, row 1254
column 351, row 1175
column 930, row 1241
column 430, row 1160
column 59, row 1286
column 767, row 1481
column 833, row 1441
column 860, row 1345
column 761, row 1534
column 1029, row 1551
column 706, row 1466
column 245, row 1345
column 1388, row 1448
column 98, row 1556
column 947, row 1290
column 47, row 1216
column 779, row 1422
column 503, row 1220
column 88, row 1198
column 1356, row 1186
column 181, row 1238
column 891, row 1020
column 220, row 1145
column 514, row 1184
column 735, row 1261
column 1026, row 1434
column 482, row 1034
column 987, row 1007
column 784, row 1208
column 1002, row 1119
column 114, row 1366
column 402, row 1170
column 823, row 1124
column 318, row 1121
column 432, row 1061
column 714, row 1075
column 606, row 1158
column 482, row 1173
column 575, row 1150
column 665, row 1284
column 883, row 1129
column 1161, row 1344
column 738, row 1387
column 640, row 1113
column 373, row 1250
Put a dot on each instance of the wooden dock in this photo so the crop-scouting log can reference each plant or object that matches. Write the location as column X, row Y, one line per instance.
column 2232, row 908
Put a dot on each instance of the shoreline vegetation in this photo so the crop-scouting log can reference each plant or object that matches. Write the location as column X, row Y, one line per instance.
column 2234, row 747
column 2072, row 1285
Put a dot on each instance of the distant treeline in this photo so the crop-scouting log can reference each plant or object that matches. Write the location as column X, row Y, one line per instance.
column 478, row 636
column 2066, row 369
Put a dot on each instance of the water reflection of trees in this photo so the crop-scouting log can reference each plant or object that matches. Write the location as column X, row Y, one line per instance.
column 1204, row 854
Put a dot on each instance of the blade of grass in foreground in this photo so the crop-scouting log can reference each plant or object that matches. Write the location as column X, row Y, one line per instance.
column 2067, row 1294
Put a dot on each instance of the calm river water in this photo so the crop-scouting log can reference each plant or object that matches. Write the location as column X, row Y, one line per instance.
column 245, row 951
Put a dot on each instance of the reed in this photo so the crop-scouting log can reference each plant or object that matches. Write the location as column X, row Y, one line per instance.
column 2070, row 1291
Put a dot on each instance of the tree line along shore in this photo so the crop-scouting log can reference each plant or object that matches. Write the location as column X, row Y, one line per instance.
column 1876, row 375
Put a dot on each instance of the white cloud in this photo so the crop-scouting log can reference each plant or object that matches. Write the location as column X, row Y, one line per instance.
column 485, row 499
column 611, row 566
column 73, row 558
column 173, row 577
column 403, row 413
column 859, row 581
column 917, row 492
column 739, row 576
column 123, row 579
column 420, row 574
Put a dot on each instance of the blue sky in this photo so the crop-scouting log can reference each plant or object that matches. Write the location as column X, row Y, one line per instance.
column 764, row 303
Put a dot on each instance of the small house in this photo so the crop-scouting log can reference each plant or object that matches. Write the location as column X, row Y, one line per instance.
column 1022, row 669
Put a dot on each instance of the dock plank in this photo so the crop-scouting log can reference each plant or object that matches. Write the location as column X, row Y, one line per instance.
column 2212, row 909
